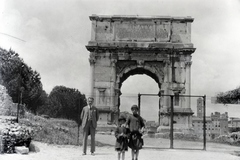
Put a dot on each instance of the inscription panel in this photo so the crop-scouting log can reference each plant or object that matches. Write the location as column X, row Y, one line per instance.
column 135, row 31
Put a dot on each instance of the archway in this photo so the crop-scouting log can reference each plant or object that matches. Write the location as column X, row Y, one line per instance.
column 120, row 46
column 140, row 84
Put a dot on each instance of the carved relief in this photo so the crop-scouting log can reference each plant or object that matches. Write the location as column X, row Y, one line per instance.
column 140, row 63
column 157, row 66
column 122, row 65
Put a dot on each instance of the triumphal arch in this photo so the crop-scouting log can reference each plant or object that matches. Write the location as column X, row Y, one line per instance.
column 157, row 46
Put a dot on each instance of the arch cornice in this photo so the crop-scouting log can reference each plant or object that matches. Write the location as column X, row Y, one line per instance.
column 119, row 48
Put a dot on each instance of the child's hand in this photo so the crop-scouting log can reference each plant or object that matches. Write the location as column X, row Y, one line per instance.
column 142, row 130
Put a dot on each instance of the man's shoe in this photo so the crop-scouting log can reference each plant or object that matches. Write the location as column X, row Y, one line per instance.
column 92, row 154
column 83, row 154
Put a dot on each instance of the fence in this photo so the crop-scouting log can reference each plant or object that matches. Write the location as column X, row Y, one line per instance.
column 200, row 117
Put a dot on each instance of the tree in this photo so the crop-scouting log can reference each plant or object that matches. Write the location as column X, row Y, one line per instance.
column 22, row 83
column 229, row 97
column 65, row 102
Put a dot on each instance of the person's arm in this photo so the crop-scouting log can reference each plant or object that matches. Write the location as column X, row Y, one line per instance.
column 117, row 134
column 97, row 114
column 81, row 116
column 127, row 123
column 142, row 125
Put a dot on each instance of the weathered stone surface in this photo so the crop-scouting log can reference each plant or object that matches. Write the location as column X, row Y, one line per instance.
column 7, row 107
column 22, row 150
column 122, row 46
column 139, row 29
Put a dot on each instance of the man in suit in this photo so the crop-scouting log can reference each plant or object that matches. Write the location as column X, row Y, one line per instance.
column 89, row 117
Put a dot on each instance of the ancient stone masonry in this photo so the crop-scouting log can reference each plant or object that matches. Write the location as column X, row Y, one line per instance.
column 159, row 47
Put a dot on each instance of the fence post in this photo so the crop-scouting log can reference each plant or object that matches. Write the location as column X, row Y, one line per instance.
column 171, row 126
column 139, row 103
column 204, row 122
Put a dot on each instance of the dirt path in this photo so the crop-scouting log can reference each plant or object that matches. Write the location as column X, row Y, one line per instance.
column 56, row 152
column 53, row 152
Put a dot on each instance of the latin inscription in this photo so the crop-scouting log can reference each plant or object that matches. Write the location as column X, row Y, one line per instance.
column 133, row 32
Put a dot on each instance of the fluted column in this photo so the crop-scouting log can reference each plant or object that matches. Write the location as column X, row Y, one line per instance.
column 166, row 86
column 113, row 84
column 92, row 61
column 188, row 83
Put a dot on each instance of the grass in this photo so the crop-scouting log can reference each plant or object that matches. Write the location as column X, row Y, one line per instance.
column 54, row 131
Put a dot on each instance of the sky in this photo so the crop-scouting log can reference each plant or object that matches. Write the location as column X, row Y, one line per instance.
column 51, row 37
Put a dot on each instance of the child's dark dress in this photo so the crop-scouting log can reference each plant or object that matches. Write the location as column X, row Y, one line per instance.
column 135, row 122
column 121, row 140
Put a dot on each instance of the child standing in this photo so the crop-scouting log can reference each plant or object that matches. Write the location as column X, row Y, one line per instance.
column 136, row 126
column 121, row 135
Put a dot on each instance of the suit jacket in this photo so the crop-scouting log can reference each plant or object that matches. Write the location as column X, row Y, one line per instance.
column 84, row 116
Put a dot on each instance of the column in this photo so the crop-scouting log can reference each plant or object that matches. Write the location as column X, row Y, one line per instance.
column 92, row 61
column 188, row 83
column 113, row 85
column 166, row 86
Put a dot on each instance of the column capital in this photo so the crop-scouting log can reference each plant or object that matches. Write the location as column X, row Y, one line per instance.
column 113, row 62
column 188, row 64
column 92, row 58
column 92, row 61
column 167, row 62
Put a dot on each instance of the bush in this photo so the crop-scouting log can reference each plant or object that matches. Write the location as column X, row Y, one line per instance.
column 14, row 134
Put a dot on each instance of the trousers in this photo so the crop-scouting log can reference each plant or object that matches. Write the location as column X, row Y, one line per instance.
column 89, row 130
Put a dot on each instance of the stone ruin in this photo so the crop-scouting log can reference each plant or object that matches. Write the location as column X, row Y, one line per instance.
column 158, row 46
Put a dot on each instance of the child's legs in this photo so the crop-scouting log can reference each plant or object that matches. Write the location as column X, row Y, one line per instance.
column 123, row 155
column 119, row 155
column 133, row 152
column 137, row 153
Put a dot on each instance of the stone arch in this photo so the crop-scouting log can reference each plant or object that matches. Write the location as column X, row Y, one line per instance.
column 150, row 71
column 120, row 46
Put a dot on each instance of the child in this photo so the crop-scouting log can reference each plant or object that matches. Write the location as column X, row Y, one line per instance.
column 136, row 126
column 121, row 135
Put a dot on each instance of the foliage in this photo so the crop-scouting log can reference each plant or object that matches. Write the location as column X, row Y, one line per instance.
column 53, row 131
column 22, row 83
column 15, row 134
column 229, row 97
column 66, row 103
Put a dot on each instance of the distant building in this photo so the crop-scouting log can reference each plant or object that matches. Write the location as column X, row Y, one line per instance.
column 234, row 122
column 151, row 126
column 216, row 124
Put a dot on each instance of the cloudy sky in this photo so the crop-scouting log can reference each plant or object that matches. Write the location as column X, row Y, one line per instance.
column 51, row 36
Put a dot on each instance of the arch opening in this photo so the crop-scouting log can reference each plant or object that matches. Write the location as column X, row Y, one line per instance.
column 139, row 71
column 129, row 96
